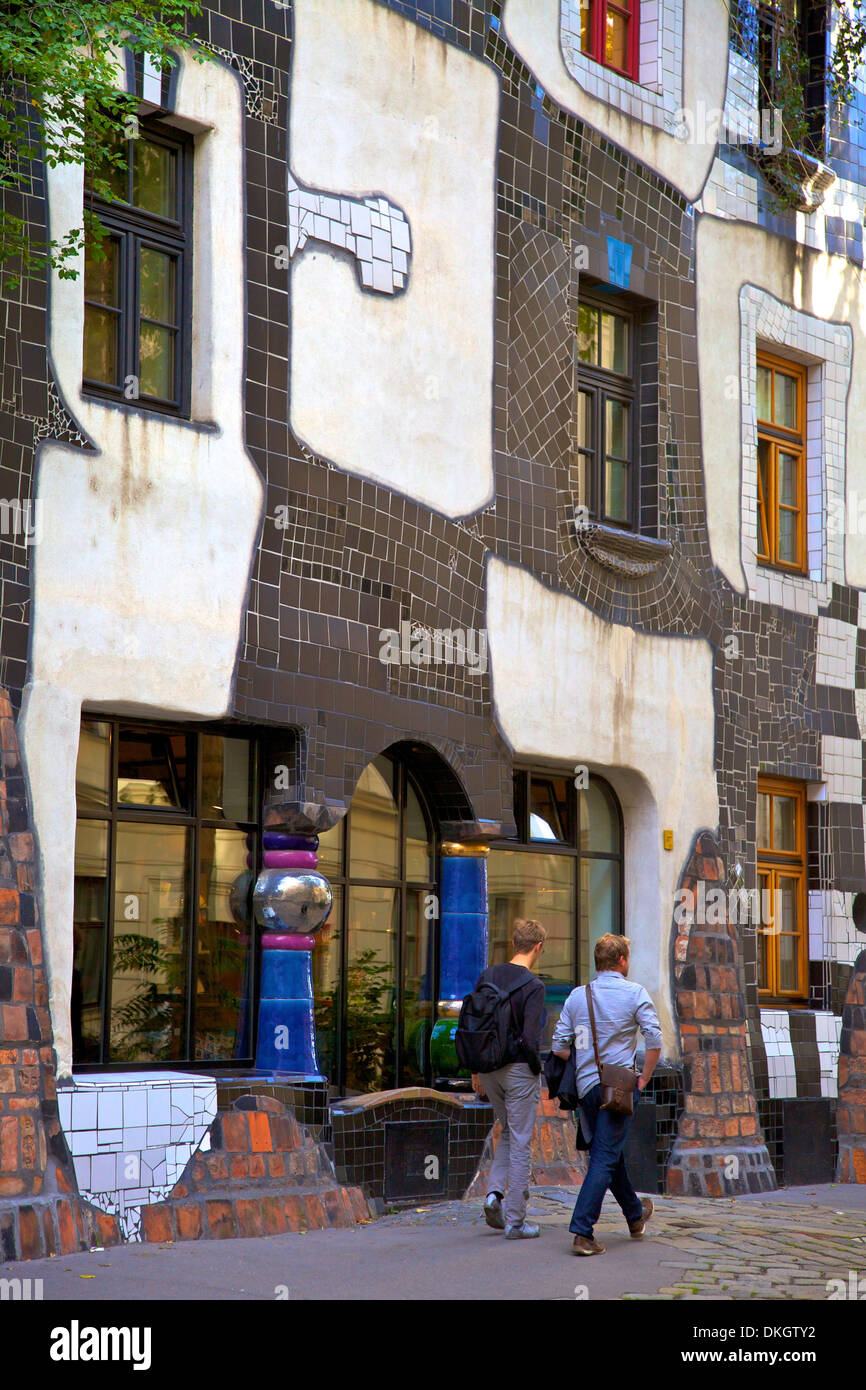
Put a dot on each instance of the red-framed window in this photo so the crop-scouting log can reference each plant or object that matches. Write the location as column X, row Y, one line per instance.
column 609, row 33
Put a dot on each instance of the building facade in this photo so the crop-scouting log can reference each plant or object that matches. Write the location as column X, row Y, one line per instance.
column 450, row 484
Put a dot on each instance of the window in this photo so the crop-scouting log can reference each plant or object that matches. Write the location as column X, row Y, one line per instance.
column 566, row 870
column 781, row 412
column 375, row 969
column 165, row 855
column 781, row 844
column 136, row 285
column 788, row 41
column 606, row 411
column 609, row 33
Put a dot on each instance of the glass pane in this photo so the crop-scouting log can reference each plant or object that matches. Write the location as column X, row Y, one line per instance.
column 614, row 343
column 227, row 778
column 599, row 821
column 93, row 768
column 763, row 960
column 788, row 537
column 616, row 417
column 764, row 495
column 156, row 286
column 786, row 401
column 766, row 906
column 786, row 904
column 764, row 388
column 584, row 479
column 374, row 825
column 371, row 1003
column 156, row 365
column 109, row 172
column 584, row 420
column 586, row 26
column 331, row 851
column 326, row 985
column 599, row 908
column 148, row 993
column 767, row 919
column 89, row 919
column 153, row 769
column 419, row 851
column 418, row 991
column 548, row 816
column 102, row 274
column 788, row 478
column 154, row 178
column 587, row 333
column 764, row 821
column 616, row 40
column 540, row 886
column 785, row 822
column 616, row 490
column 223, row 977
column 100, row 362
column 789, row 973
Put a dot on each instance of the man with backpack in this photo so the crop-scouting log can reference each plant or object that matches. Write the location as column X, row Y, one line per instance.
column 498, row 1039
column 619, row 1008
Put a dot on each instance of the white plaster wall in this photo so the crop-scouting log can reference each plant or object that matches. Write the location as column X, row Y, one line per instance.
column 141, row 572
column 731, row 255
column 534, row 28
column 397, row 390
column 637, row 708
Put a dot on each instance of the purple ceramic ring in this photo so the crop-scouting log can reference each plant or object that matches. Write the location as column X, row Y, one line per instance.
column 290, row 859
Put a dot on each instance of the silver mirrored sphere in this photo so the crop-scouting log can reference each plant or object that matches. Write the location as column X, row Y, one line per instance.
column 289, row 901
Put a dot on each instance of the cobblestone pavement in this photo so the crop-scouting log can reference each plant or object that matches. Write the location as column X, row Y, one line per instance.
column 712, row 1249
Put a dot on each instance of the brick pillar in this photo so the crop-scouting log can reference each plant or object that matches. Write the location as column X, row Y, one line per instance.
column 40, row 1210
column 851, row 1112
column 719, row 1150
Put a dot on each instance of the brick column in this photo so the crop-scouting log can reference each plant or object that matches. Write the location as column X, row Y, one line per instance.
column 719, row 1150
column 851, row 1112
column 41, row 1212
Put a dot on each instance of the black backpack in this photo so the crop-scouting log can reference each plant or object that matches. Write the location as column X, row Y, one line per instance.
column 487, row 1036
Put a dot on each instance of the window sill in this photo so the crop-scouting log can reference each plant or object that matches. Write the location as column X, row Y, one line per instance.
column 622, row 551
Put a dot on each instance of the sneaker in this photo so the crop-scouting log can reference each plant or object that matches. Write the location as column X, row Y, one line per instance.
column 493, row 1212
column 524, row 1231
column 586, row 1245
column 637, row 1227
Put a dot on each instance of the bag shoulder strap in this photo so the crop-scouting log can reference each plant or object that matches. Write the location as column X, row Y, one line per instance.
column 594, row 1033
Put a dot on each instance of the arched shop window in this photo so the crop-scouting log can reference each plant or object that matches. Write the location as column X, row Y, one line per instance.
column 374, row 965
column 565, row 868
column 165, row 849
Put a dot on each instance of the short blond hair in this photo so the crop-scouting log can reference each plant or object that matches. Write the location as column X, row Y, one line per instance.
column 609, row 949
column 527, row 933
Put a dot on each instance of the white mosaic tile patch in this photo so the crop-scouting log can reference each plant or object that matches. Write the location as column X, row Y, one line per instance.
column 780, row 1054
column 372, row 230
column 132, row 1134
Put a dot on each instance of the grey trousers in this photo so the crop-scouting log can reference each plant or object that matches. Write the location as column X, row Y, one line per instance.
column 513, row 1091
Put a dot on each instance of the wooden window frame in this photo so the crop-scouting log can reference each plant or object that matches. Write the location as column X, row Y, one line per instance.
column 780, row 438
column 597, row 26
column 137, row 229
column 601, row 385
column 790, row 864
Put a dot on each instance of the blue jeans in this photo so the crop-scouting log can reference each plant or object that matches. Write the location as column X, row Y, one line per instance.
column 606, row 1166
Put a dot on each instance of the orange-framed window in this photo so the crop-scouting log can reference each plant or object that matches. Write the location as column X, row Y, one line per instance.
column 781, row 413
column 783, row 936
column 609, row 33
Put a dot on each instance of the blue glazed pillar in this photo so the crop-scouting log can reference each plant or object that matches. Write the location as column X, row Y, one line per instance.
column 463, row 936
column 292, row 901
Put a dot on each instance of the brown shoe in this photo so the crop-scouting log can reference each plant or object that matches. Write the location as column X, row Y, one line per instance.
column 584, row 1246
column 637, row 1227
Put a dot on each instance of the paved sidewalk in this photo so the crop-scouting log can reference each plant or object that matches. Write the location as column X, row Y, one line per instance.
column 778, row 1246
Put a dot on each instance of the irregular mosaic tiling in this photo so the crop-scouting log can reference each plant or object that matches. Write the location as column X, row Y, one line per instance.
column 372, row 230
column 131, row 1136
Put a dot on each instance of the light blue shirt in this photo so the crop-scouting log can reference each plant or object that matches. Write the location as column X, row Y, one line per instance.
column 621, row 1006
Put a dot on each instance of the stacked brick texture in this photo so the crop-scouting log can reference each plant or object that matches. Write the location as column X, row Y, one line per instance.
column 851, row 1112
column 263, row 1175
column 555, row 1162
column 719, row 1150
column 41, row 1212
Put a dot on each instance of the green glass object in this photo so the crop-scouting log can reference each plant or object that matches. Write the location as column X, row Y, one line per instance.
column 443, row 1053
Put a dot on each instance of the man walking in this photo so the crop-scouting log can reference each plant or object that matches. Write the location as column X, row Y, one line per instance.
column 514, row 1089
column 620, row 1007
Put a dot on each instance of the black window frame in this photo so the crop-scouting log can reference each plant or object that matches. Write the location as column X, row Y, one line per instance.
column 137, row 229
column 191, row 818
column 602, row 384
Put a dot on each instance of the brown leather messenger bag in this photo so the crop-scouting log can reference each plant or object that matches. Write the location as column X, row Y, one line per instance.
column 617, row 1083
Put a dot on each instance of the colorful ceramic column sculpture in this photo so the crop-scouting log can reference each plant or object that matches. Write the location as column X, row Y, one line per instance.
column 463, row 944
column 292, row 902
